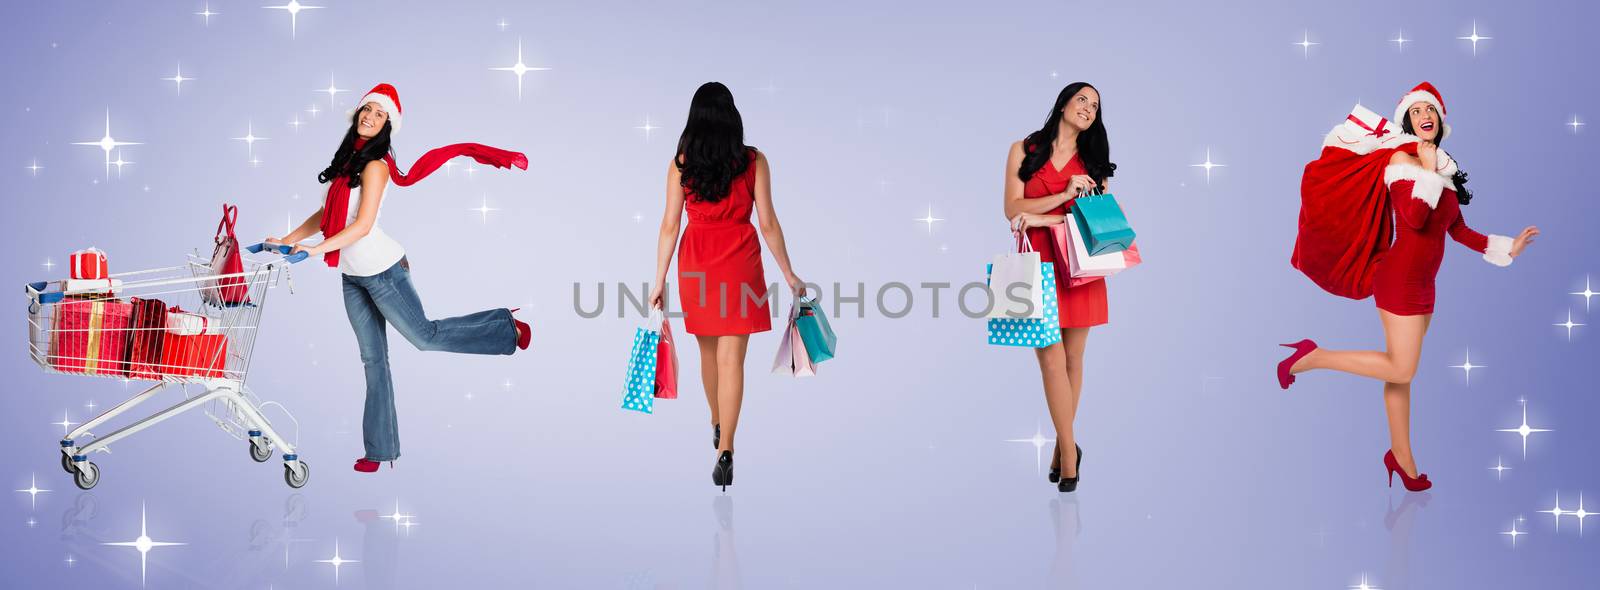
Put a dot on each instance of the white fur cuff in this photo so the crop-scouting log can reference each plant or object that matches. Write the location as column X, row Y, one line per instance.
column 1428, row 185
column 1499, row 251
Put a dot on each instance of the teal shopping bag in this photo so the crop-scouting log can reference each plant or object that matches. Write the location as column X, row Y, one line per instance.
column 1031, row 332
column 815, row 331
column 1104, row 227
column 639, row 392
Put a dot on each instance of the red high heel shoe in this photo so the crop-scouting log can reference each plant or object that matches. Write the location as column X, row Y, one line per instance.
column 365, row 465
column 1301, row 349
column 1416, row 484
column 524, row 332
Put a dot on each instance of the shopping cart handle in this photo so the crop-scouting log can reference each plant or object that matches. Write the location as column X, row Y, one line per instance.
column 283, row 249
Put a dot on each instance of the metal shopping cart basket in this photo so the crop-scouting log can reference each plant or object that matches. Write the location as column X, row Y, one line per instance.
column 185, row 327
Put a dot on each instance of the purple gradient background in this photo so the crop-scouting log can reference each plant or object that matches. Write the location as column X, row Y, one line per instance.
column 889, row 469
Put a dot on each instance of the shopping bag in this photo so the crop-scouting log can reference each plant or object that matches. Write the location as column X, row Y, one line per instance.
column 1105, row 229
column 792, row 358
column 815, row 332
column 638, row 394
column 1031, row 332
column 1084, row 267
column 1014, row 281
column 192, row 346
column 146, row 329
column 225, row 260
column 666, row 364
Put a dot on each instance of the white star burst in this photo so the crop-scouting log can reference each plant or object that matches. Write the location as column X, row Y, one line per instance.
column 1474, row 38
column 296, row 123
column 1305, row 44
column 396, row 516
column 207, row 14
column 1363, row 585
column 1514, row 533
column 1499, row 468
column 1569, row 324
column 178, row 78
column 1400, row 40
column 70, row 560
column 1581, row 513
column 1556, row 511
column 1467, row 367
column 250, row 139
column 34, row 167
column 1575, row 124
column 1039, row 442
column 1524, row 430
column 503, row 24
column 48, row 265
column 65, row 423
column 314, row 110
column 929, row 219
column 107, row 143
column 647, row 127
column 293, row 8
column 519, row 68
column 336, row 561
column 332, row 91
column 1208, row 165
column 119, row 163
column 484, row 209
column 33, row 491
column 1586, row 293
column 143, row 543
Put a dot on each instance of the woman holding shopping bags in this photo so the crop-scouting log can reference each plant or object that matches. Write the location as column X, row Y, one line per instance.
column 1418, row 201
column 1070, row 156
column 377, row 277
column 719, row 180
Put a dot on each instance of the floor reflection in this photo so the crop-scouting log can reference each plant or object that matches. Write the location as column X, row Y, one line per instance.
column 1401, row 523
column 1065, row 519
column 725, row 562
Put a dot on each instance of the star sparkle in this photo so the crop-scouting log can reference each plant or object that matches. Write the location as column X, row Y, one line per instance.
column 293, row 8
column 207, row 14
column 34, row 168
column 1556, row 511
column 143, row 544
column 1586, row 293
column 1514, row 533
column 119, row 163
column 178, row 78
column 1575, row 124
column 65, row 423
column 647, row 127
column 1474, row 38
column 1569, row 324
column 33, row 491
column 484, row 209
column 519, row 68
column 48, row 264
column 296, row 123
column 250, row 139
column 1400, row 40
column 332, row 91
column 1305, row 44
column 1208, row 165
column 1499, row 468
column 1466, row 366
column 1039, row 442
column 503, row 24
column 336, row 561
column 1524, row 430
column 1581, row 514
column 929, row 219
column 1363, row 585
column 107, row 143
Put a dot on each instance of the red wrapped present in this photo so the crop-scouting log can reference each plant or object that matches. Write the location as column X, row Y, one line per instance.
column 90, row 336
column 89, row 263
column 192, row 346
column 147, row 329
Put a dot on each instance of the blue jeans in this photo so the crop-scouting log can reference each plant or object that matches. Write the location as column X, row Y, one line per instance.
column 388, row 298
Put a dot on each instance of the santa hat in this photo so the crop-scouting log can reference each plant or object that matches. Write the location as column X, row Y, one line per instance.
column 387, row 98
column 1424, row 92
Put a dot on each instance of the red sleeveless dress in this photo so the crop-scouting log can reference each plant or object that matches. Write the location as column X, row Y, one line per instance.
column 1084, row 305
column 721, row 284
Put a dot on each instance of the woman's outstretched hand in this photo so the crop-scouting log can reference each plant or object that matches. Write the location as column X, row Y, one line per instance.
column 656, row 296
column 796, row 285
column 1523, row 239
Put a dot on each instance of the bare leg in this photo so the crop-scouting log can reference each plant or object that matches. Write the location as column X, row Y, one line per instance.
column 1397, row 404
column 1398, row 364
column 1058, row 398
column 730, row 384
column 1075, row 340
column 708, row 371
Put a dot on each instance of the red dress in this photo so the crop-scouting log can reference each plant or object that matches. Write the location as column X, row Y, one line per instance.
column 719, row 260
column 1426, row 208
column 1084, row 305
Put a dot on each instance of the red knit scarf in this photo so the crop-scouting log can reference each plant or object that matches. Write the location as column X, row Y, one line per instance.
column 336, row 207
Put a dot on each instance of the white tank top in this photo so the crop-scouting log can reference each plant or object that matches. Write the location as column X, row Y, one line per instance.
column 373, row 253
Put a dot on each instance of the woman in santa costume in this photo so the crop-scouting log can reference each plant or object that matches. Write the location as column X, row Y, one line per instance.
column 1068, row 157
column 377, row 277
column 1349, row 210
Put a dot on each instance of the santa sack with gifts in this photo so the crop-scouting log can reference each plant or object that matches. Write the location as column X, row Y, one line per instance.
column 1345, row 224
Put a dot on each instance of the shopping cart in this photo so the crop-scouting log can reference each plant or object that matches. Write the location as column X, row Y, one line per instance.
column 186, row 327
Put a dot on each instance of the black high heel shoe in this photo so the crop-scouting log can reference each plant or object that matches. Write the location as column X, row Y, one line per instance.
column 1055, row 465
column 722, row 474
column 1070, row 484
column 716, row 436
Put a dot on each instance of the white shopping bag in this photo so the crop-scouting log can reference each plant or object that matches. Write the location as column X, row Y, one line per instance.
column 1014, row 280
column 1081, row 264
column 792, row 358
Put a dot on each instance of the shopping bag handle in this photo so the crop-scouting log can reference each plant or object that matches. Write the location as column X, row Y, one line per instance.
column 1024, row 245
column 283, row 249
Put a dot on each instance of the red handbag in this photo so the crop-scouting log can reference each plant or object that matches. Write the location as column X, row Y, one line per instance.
column 225, row 260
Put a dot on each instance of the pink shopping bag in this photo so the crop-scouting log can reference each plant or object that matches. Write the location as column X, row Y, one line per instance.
column 666, row 363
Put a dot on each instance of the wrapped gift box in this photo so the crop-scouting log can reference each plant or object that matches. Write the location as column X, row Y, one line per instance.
column 90, row 336
column 193, row 346
column 89, row 263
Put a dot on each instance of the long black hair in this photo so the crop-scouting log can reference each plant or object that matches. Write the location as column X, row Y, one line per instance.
column 1463, row 195
column 711, row 151
column 1094, row 150
column 348, row 161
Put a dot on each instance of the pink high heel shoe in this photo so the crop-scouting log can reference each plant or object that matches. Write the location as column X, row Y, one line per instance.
column 1301, row 349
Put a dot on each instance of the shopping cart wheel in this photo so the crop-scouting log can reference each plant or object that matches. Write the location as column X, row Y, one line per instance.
column 86, row 476
column 66, row 464
column 296, row 476
column 260, row 450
